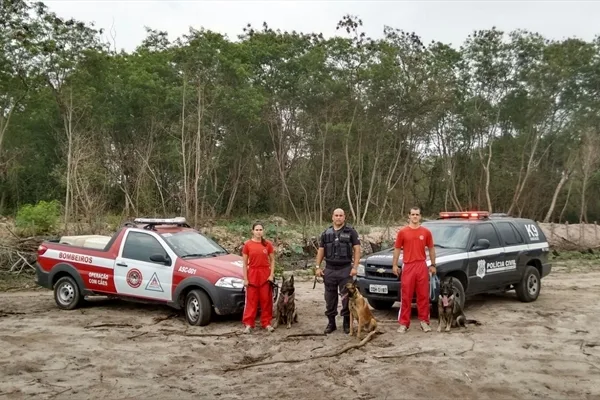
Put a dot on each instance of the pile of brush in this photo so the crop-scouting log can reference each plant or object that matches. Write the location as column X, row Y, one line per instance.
column 18, row 254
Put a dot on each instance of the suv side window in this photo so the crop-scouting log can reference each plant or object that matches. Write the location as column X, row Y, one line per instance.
column 140, row 246
column 487, row 231
column 509, row 233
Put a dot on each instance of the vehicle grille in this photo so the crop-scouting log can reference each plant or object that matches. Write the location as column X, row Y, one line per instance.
column 371, row 271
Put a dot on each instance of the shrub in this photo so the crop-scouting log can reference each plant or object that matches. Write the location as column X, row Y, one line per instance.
column 40, row 218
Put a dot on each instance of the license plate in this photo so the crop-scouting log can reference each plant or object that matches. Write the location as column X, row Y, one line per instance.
column 378, row 289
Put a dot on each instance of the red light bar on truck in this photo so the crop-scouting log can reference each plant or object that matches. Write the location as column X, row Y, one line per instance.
column 161, row 221
column 467, row 214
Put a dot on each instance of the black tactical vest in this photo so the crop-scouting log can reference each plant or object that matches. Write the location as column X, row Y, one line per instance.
column 338, row 245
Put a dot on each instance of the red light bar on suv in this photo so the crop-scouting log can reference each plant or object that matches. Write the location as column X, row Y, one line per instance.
column 467, row 214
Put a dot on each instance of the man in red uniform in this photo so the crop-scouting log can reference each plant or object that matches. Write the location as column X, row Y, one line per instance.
column 413, row 239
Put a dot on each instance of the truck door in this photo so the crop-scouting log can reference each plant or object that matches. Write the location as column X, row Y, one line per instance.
column 136, row 274
column 485, row 264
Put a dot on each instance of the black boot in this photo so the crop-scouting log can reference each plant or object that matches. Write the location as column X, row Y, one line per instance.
column 347, row 324
column 330, row 326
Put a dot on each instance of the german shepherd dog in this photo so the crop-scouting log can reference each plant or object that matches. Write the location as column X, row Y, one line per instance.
column 450, row 313
column 285, row 311
column 359, row 310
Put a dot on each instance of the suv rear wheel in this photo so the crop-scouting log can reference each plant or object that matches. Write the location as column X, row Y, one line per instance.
column 198, row 309
column 528, row 289
column 66, row 293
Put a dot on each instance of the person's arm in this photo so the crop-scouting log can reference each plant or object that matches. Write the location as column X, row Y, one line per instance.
column 398, row 244
column 356, row 252
column 431, row 248
column 320, row 256
column 245, row 268
column 271, row 251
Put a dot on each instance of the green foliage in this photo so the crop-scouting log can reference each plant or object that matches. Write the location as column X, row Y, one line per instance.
column 295, row 124
column 41, row 218
column 279, row 270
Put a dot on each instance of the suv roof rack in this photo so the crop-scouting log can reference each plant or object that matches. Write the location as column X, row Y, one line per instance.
column 464, row 214
column 151, row 223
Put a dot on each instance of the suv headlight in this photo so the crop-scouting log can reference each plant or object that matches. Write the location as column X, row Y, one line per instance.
column 360, row 271
column 230, row 282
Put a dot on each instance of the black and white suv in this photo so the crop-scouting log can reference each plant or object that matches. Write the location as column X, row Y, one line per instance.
column 482, row 252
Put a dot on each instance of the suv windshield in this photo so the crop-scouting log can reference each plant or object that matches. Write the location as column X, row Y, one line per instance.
column 451, row 236
column 192, row 244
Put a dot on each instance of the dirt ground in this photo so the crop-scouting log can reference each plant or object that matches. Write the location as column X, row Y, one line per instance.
column 549, row 349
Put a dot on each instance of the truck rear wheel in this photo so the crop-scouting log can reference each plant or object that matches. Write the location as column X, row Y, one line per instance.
column 66, row 293
column 198, row 310
column 528, row 289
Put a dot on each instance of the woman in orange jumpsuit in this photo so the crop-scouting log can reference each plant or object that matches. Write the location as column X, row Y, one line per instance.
column 259, row 272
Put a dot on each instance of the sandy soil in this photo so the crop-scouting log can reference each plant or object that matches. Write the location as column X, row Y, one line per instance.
column 542, row 350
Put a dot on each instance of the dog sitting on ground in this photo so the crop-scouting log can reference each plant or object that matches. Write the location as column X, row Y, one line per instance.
column 450, row 313
column 359, row 311
column 285, row 309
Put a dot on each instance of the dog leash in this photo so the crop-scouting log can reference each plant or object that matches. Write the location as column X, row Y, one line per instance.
column 316, row 280
column 343, row 296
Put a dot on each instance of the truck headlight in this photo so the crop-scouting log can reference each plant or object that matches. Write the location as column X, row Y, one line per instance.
column 360, row 271
column 230, row 282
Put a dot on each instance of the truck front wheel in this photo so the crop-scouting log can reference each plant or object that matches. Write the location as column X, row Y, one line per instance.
column 197, row 308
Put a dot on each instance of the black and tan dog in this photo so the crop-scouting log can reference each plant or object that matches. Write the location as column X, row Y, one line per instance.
column 285, row 309
column 359, row 311
column 450, row 313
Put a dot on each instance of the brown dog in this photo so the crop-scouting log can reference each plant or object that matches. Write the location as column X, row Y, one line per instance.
column 359, row 310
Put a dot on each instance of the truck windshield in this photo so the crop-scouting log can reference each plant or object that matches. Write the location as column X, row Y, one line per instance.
column 451, row 236
column 192, row 244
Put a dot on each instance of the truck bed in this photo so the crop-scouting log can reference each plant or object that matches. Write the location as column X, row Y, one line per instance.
column 96, row 242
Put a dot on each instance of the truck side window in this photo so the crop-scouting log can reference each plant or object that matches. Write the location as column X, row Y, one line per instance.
column 140, row 246
column 487, row 231
column 509, row 233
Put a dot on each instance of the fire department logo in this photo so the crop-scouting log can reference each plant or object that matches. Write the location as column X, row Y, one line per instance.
column 481, row 268
column 134, row 278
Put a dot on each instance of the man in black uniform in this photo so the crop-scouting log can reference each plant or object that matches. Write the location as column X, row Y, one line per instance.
column 340, row 247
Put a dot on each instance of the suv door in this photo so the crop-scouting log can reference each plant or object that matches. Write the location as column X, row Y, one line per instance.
column 514, row 246
column 484, row 264
column 135, row 272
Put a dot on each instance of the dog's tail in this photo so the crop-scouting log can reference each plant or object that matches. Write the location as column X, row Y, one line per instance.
column 472, row 321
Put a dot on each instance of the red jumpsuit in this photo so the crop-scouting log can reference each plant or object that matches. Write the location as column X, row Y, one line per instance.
column 415, row 274
column 259, row 289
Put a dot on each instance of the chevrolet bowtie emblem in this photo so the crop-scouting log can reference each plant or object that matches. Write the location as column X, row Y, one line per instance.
column 380, row 270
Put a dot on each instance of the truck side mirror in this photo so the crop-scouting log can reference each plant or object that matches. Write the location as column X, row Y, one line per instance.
column 160, row 258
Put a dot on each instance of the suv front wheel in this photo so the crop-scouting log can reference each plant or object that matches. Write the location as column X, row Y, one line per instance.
column 198, row 309
column 459, row 291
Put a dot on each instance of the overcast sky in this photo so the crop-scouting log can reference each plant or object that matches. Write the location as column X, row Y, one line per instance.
column 447, row 21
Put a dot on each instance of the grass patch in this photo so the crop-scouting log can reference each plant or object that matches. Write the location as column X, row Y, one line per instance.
column 575, row 255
